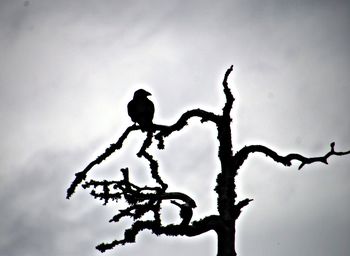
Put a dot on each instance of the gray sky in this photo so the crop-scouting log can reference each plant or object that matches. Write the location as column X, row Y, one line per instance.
column 68, row 69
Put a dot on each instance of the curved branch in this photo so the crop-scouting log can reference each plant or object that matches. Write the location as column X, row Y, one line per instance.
column 179, row 196
column 165, row 131
column 186, row 212
column 243, row 154
column 152, row 162
column 196, row 228
column 228, row 94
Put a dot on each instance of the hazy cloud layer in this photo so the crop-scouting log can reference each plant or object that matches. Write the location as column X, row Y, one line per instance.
column 68, row 69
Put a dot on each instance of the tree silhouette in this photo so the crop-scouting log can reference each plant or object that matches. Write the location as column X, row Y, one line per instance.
column 142, row 200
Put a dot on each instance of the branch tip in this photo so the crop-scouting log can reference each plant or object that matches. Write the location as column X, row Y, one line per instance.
column 244, row 152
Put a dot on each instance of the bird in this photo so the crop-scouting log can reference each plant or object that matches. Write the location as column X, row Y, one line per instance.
column 141, row 109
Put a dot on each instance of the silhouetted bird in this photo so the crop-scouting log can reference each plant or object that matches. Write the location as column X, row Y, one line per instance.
column 141, row 109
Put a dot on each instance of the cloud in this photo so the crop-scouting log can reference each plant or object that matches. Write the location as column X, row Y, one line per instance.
column 68, row 68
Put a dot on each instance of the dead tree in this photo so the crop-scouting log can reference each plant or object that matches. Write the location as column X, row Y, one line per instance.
column 142, row 200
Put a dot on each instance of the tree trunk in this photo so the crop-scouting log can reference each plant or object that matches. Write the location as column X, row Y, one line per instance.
column 226, row 192
column 226, row 239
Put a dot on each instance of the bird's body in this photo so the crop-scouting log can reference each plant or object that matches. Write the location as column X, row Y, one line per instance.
column 141, row 109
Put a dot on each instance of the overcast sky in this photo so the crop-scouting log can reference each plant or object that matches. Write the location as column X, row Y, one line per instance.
column 68, row 69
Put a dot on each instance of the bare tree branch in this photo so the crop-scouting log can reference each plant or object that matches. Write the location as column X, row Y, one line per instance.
column 196, row 228
column 182, row 122
column 228, row 94
column 152, row 162
column 243, row 154
column 186, row 212
column 240, row 205
column 141, row 200
column 243, row 203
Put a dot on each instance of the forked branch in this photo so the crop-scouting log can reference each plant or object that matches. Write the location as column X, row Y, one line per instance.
column 243, row 154
column 196, row 228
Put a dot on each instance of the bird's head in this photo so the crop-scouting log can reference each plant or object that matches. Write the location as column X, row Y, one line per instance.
column 141, row 93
